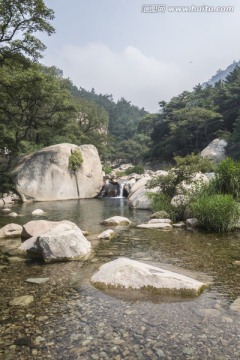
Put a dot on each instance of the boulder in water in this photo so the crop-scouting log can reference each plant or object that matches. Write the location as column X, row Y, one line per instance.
column 64, row 241
column 125, row 273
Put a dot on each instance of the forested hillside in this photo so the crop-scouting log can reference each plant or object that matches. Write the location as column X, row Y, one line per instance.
column 189, row 121
column 39, row 107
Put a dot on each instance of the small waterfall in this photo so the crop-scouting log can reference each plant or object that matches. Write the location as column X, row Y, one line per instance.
column 121, row 188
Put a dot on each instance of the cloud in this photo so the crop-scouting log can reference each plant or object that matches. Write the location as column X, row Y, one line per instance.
column 141, row 79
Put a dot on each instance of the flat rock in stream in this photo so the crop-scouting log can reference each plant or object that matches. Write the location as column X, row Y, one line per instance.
column 161, row 226
column 116, row 220
column 125, row 273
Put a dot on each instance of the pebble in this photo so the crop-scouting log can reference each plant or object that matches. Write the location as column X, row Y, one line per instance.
column 22, row 300
column 13, row 214
column 188, row 351
column 37, row 280
column 14, row 259
column 235, row 306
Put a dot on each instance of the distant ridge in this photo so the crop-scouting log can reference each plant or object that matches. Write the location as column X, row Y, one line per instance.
column 221, row 74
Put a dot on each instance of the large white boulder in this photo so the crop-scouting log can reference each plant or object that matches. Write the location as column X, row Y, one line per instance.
column 125, row 273
column 38, row 227
column 138, row 197
column 215, row 151
column 45, row 175
column 140, row 200
column 139, row 184
column 63, row 242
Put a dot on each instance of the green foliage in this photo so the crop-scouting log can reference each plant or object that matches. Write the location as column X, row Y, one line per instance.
column 129, row 151
column 160, row 215
column 19, row 20
column 167, row 183
column 137, row 169
column 6, row 183
column 160, row 202
column 227, row 178
column 107, row 169
column 216, row 212
column 34, row 105
column 75, row 160
column 184, row 170
column 189, row 121
column 193, row 163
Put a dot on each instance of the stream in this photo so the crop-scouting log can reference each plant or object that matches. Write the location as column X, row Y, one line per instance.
column 70, row 319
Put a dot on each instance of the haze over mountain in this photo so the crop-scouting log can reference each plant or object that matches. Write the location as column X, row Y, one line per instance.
column 222, row 74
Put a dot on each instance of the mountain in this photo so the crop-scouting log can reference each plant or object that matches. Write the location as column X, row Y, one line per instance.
column 221, row 74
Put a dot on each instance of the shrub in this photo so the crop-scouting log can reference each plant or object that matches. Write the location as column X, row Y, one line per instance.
column 138, row 169
column 160, row 202
column 193, row 163
column 107, row 169
column 227, row 177
column 6, row 183
column 216, row 212
column 160, row 215
column 185, row 168
column 75, row 160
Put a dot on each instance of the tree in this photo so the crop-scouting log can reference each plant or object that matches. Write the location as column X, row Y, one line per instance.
column 19, row 20
column 34, row 105
column 91, row 117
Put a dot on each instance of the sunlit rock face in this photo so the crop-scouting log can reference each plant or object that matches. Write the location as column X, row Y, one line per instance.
column 62, row 241
column 125, row 273
column 215, row 151
column 45, row 175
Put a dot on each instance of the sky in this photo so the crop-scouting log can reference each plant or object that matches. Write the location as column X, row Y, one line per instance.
column 146, row 54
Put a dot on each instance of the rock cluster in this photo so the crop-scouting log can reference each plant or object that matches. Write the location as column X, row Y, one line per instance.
column 55, row 241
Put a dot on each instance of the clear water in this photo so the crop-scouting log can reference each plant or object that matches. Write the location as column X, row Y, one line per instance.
column 70, row 319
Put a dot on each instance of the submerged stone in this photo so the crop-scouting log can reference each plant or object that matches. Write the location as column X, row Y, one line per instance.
column 158, row 225
column 22, row 300
column 124, row 273
column 38, row 212
column 106, row 235
column 37, row 280
column 116, row 220
column 235, row 306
